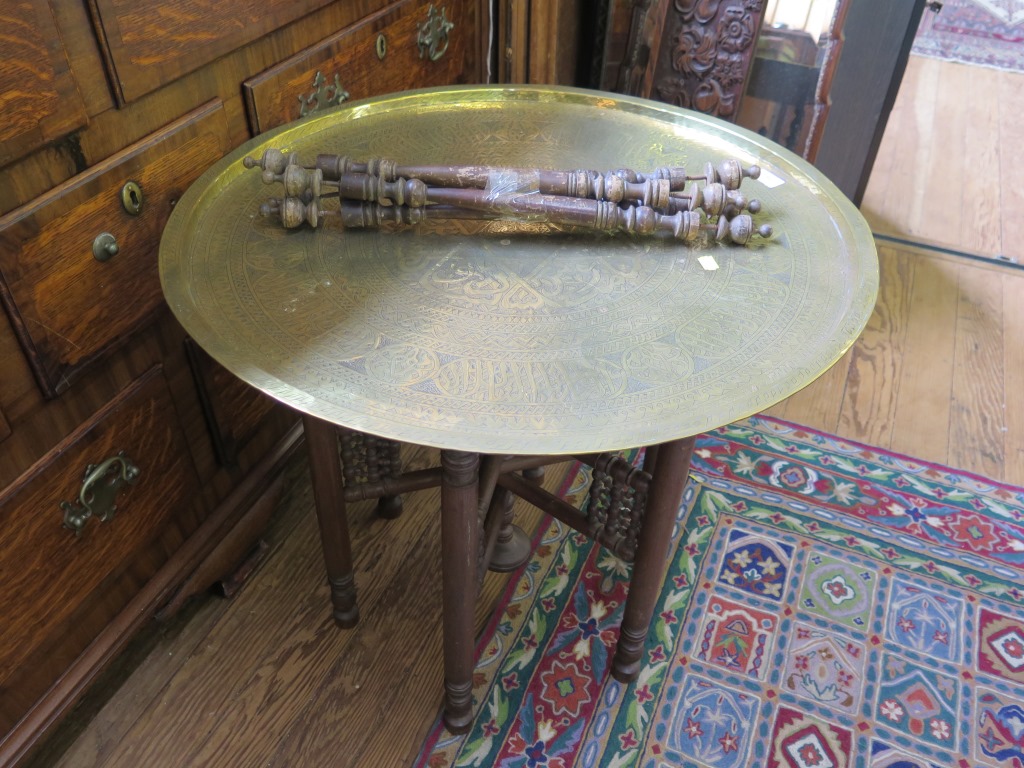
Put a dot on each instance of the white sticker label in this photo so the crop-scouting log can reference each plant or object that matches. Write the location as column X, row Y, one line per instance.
column 769, row 179
column 708, row 262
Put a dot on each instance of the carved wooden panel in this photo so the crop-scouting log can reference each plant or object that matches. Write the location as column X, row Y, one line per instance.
column 60, row 589
column 149, row 44
column 696, row 53
column 39, row 97
column 69, row 308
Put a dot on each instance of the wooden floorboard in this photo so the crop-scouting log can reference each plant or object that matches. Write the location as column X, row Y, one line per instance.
column 938, row 216
column 976, row 423
column 1010, row 172
column 868, row 407
column 922, row 398
column 267, row 680
column 1013, row 378
column 980, row 192
column 949, row 167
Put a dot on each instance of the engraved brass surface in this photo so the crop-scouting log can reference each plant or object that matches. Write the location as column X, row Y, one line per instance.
column 521, row 338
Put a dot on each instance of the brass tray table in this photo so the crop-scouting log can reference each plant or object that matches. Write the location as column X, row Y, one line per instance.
column 494, row 338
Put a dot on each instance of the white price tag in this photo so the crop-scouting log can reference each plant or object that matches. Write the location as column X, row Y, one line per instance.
column 769, row 179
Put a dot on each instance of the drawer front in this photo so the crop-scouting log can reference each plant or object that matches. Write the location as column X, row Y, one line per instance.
column 40, row 98
column 148, row 44
column 56, row 581
column 67, row 305
column 233, row 410
column 417, row 44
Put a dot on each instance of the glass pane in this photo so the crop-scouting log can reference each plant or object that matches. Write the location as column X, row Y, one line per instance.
column 794, row 45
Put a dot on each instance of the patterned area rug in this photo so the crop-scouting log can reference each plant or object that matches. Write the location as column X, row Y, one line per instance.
column 827, row 604
column 988, row 33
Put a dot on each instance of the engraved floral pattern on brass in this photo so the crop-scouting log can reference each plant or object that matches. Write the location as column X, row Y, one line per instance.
column 521, row 338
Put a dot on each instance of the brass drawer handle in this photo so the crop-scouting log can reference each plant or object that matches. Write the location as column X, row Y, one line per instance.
column 324, row 94
column 432, row 39
column 99, row 491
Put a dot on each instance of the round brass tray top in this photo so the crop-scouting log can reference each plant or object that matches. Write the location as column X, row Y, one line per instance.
column 519, row 337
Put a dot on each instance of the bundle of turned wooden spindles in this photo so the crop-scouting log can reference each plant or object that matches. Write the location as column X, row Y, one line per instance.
column 370, row 193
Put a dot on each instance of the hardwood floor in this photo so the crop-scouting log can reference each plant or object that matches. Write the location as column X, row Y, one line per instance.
column 950, row 166
column 266, row 679
column 938, row 372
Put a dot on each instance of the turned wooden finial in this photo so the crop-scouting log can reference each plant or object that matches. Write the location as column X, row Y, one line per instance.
column 739, row 229
column 272, row 160
column 359, row 214
column 335, row 166
column 684, row 225
column 292, row 212
column 731, row 173
column 363, row 186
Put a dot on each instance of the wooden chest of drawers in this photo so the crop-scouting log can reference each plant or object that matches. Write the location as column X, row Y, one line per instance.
column 125, row 452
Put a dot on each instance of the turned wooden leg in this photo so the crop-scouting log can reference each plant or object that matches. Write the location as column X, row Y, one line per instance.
column 329, row 494
column 512, row 546
column 390, row 507
column 650, row 459
column 671, row 468
column 460, row 549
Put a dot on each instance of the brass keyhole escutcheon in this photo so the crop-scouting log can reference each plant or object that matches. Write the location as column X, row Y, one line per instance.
column 382, row 46
column 131, row 198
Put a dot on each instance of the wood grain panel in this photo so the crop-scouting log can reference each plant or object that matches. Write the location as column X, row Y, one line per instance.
column 1013, row 376
column 554, row 41
column 877, row 358
column 334, row 683
column 232, row 409
column 817, row 405
column 276, row 96
column 52, row 577
column 943, row 131
column 947, row 170
column 977, row 424
column 150, row 44
column 513, row 41
column 981, row 201
column 299, row 634
column 921, row 423
column 39, row 98
column 892, row 207
column 1010, row 139
column 620, row 17
column 68, row 308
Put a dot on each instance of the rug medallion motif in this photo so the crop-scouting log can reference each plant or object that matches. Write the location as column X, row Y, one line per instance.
column 827, row 605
